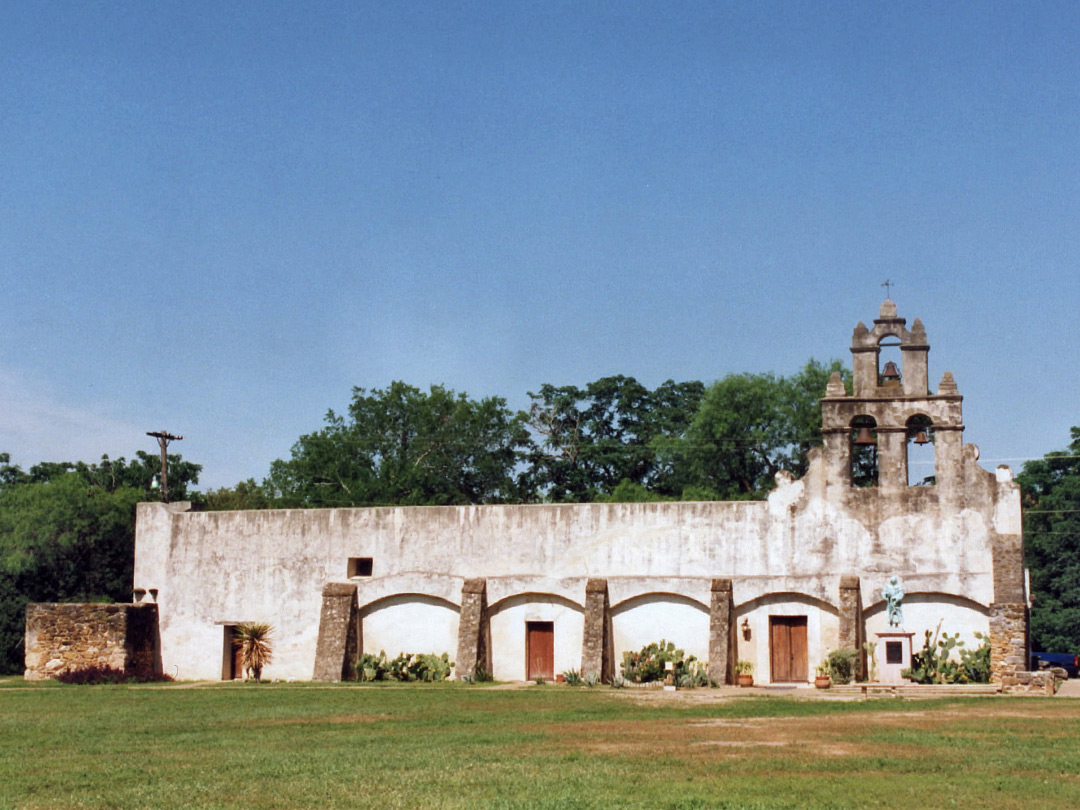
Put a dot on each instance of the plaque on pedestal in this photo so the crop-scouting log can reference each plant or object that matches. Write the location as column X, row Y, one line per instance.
column 893, row 655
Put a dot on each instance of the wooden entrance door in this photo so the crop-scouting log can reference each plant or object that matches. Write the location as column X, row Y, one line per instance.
column 540, row 650
column 232, row 665
column 787, row 649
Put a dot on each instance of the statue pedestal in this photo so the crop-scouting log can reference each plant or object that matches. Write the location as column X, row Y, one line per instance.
column 893, row 655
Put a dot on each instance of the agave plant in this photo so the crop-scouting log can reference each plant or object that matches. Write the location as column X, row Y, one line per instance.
column 253, row 640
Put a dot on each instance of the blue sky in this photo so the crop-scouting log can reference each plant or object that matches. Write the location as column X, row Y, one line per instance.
column 217, row 218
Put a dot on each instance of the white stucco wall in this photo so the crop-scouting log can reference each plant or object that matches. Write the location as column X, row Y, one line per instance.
column 924, row 611
column 660, row 616
column 410, row 623
column 228, row 567
column 508, row 619
column 822, row 625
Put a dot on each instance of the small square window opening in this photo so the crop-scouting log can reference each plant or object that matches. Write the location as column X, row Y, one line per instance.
column 359, row 567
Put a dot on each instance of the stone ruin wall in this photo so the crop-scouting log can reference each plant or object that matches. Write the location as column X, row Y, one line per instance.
column 63, row 637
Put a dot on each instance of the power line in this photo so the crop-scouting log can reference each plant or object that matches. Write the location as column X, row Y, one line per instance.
column 163, row 442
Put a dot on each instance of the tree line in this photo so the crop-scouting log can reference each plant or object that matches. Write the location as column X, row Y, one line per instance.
column 67, row 534
column 610, row 439
column 67, row 529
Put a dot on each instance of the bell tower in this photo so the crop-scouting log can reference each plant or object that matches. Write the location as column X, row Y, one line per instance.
column 867, row 434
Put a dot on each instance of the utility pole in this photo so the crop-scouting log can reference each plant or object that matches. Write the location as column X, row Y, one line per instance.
column 163, row 442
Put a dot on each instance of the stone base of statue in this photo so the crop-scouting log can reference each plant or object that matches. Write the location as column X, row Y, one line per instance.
column 893, row 655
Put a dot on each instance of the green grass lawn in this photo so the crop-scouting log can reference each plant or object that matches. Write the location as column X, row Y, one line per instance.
column 455, row 746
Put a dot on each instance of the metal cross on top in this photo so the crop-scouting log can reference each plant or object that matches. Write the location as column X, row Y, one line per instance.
column 887, row 285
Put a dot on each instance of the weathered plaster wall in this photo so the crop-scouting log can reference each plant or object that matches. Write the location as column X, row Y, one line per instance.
column 228, row 567
column 822, row 628
column 661, row 616
column 508, row 618
column 410, row 622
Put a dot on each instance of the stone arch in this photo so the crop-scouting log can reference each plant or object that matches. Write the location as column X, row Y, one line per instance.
column 440, row 586
column 506, row 601
column 919, row 449
column 509, row 620
column 677, row 596
column 821, row 620
column 776, row 597
column 864, row 457
column 890, row 352
column 411, row 623
column 923, row 610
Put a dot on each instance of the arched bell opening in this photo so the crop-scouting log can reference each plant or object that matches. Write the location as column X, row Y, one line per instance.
column 920, row 451
column 864, row 452
column 889, row 364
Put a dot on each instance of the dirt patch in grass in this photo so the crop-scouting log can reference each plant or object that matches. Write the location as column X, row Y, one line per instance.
column 321, row 720
column 898, row 734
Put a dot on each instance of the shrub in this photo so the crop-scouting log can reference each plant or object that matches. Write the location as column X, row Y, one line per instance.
column 253, row 639
column 106, row 675
column 573, row 678
column 481, row 675
column 371, row 667
column 648, row 665
column 975, row 664
column 94, row 674
column 693, row 677
column 406, row 667
column 842, row 665
column 933, row 663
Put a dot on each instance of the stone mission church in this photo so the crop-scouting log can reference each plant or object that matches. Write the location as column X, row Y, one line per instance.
column 530, row 591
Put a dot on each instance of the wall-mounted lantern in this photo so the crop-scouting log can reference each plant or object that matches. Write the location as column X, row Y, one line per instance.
column 746, row 629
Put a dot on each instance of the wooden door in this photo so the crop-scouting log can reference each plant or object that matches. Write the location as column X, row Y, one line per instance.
column 237, row 663
column 540, row 650
column 232, row 665
column 787, row 649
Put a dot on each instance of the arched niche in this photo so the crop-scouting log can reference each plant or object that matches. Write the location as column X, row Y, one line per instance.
column 864, row 451
column 657, row 616
column 411, row 623
column 762, row 620
column 890, row 376
column 931, row 610
column 511, row 620
column 920, row 451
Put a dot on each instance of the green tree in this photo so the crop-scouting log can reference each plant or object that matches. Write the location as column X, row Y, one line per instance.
column 749, row 427
column 61, row 540
column 110, row 474
column 67, row 533
column 402, row 446
column 596, row 437
column 245, row 495
column 1051, row 489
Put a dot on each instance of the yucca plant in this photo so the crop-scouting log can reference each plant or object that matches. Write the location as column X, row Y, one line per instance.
column 254, row 642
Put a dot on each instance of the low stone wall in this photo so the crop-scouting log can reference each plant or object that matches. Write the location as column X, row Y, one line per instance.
column 1043, row 682
column 62, row 637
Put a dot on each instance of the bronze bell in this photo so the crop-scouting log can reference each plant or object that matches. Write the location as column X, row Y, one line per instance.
column 865, row 437
column 890, row 372
column 921, row 437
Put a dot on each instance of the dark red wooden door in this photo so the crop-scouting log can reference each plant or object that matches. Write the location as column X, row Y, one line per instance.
column 540, row 650
column 232, row 665
column 787, row 649
column 237, row 662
